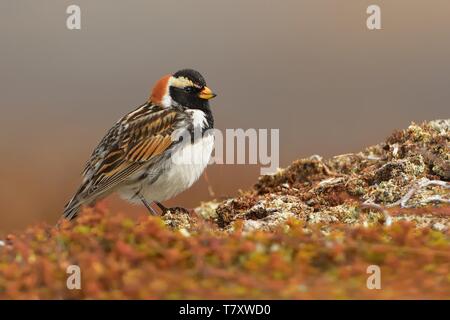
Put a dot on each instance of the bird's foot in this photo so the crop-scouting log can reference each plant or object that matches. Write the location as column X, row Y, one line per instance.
column 165, row 210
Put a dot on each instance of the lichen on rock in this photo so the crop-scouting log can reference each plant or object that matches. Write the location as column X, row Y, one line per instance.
column 334, row 190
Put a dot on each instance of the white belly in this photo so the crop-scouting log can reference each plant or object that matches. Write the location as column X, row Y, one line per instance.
column 181, row 171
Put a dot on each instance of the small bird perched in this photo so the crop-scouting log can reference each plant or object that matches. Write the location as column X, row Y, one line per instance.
column 156, row 151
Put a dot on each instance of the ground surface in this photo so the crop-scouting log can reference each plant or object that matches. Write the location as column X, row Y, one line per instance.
column 310, row 231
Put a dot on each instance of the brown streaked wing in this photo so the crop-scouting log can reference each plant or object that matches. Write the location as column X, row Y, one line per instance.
column 142, row 136
column 151, row 138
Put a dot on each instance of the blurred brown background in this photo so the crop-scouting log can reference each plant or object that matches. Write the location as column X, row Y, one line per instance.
column 310, row 68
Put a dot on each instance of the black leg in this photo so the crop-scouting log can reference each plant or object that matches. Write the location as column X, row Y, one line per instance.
column 147, row 205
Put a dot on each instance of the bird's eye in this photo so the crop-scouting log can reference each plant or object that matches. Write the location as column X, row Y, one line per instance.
column 189, row 89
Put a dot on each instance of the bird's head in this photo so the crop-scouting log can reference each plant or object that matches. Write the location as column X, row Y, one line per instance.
column 185, row 88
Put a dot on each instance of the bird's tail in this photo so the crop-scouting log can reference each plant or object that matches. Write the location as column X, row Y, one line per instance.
column 72, row 208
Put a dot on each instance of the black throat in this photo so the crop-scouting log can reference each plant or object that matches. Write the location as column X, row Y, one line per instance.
column 192, row 102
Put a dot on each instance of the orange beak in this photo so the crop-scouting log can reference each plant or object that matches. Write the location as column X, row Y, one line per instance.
column 206, row 94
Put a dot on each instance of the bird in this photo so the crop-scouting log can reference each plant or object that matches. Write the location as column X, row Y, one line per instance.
column 154, row 152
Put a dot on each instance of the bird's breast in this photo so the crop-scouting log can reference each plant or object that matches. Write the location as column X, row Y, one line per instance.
column 181, row 170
